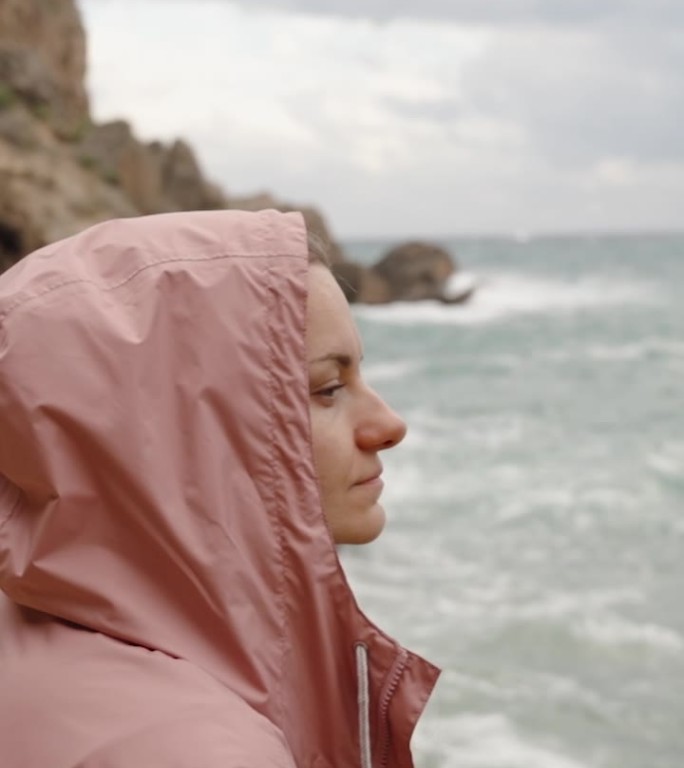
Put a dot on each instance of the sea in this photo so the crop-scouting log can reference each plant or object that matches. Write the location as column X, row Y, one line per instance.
column 535, row 542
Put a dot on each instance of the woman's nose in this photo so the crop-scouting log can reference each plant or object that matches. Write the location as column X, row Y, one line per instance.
column 381, row 427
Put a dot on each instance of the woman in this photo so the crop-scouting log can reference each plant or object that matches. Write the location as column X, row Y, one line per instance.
column 175, row 430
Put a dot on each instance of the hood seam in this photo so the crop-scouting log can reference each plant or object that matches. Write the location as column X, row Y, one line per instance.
column 21, row 301
column 273, row 492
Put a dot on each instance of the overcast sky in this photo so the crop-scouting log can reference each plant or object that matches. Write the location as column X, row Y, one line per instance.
column 403, row 118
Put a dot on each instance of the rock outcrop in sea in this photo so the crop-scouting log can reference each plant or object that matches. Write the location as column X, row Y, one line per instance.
column 412, row 271
column 61, row 172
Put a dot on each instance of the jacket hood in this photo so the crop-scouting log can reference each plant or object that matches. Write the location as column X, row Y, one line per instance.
column 156, row 478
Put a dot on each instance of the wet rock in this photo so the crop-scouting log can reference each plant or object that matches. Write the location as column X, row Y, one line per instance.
column 60, row 172
column 45, row 195
column 182, row 181
column 43, row 60
column 416, row 271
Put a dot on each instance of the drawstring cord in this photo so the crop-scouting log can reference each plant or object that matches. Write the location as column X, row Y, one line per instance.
column 363, row 703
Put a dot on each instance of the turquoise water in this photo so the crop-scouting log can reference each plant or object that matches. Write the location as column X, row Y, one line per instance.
column 536, row 542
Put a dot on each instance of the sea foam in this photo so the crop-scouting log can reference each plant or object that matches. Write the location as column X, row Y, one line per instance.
column 505, row 294
column 485, row 741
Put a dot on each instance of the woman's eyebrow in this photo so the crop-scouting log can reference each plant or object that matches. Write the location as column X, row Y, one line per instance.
column 343, row 360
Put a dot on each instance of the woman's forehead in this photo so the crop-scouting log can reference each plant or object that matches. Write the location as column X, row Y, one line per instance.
column 331, row 329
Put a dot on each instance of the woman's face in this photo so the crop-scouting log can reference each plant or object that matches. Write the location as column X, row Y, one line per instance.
column 350, row 423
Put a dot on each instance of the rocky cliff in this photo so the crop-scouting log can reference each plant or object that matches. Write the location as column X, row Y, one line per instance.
column 61, row 172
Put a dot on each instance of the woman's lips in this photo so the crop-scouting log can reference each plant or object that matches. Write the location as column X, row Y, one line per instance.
column 374, row 481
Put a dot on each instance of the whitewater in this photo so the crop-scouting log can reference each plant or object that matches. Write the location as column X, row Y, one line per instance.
column 534, row 546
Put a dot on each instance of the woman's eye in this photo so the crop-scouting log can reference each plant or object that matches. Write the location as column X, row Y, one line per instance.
column 328, row 392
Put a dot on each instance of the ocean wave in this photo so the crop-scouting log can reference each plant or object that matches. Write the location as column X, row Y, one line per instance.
column 484, row 741
column 668, row 462
column 633, row 352
column 491, row 607
column 535, row 502
column 585, row 505
column 390, row 371
column 409, row 484
column 590, row 618
column 614, row 631
column 503, row 295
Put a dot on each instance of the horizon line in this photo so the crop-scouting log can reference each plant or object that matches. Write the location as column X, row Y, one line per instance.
column 516, row 236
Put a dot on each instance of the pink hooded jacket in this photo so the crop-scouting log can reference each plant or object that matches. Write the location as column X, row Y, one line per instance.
column 172, row 597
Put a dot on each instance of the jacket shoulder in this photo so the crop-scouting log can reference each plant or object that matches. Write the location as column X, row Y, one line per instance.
column 197, row 741
column 84, row 700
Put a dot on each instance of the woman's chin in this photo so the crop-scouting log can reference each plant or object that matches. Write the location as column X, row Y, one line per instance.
column 360, row 528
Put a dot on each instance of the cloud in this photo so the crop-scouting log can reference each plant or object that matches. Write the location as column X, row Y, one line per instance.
column 489, row 12
column 583, row 94
column 415, row 126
